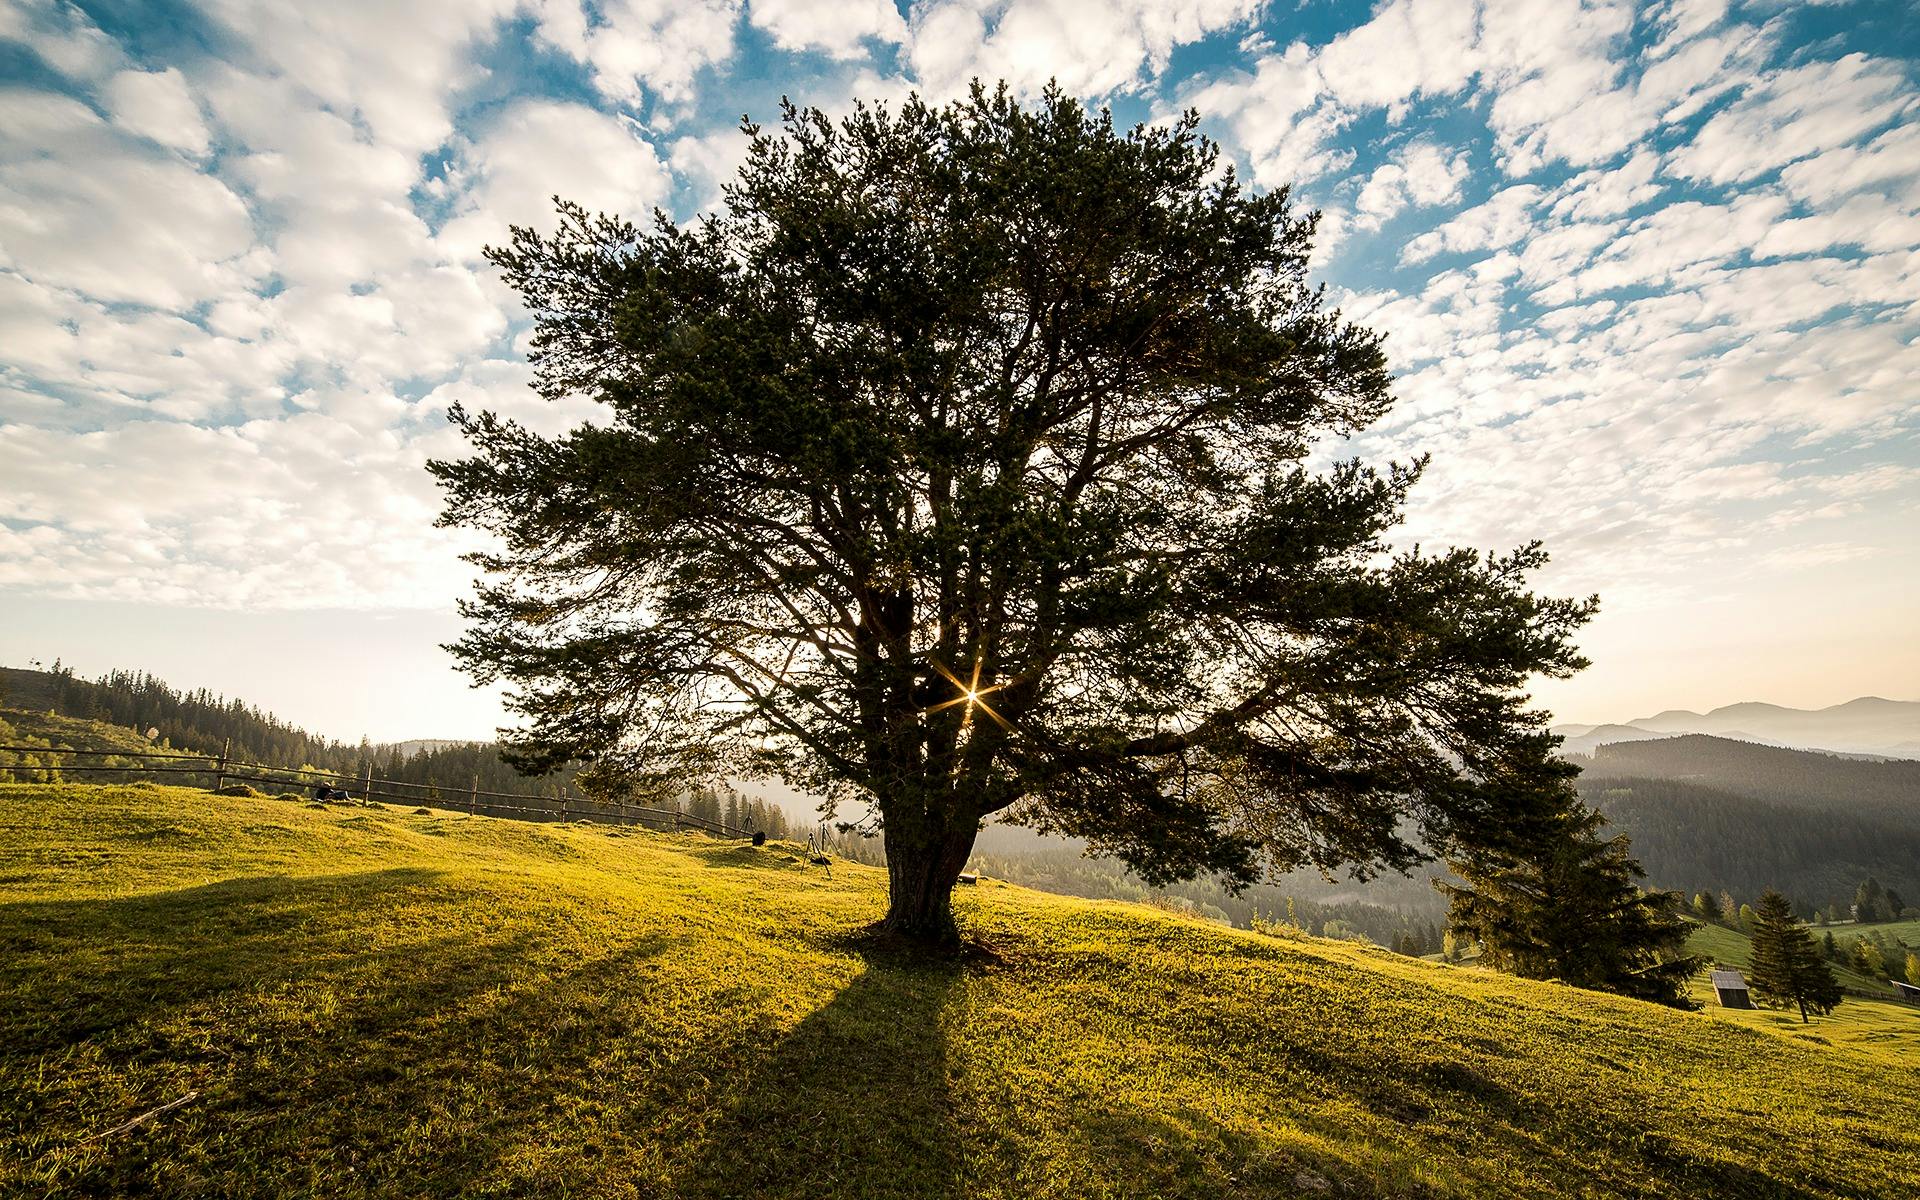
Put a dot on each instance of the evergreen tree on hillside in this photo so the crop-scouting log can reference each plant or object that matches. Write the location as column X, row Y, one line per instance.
column 968, row 462
column 1555, row 899
column 1786, row 969
column 1870, row 901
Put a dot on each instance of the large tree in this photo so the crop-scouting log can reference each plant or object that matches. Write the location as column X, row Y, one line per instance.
column 964, row 463
column 1787, row 969
column 1549, row 895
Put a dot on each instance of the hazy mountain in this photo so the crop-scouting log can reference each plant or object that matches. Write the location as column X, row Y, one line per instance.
column 1883, row 790
column 1582, row 739
column 1869, row 725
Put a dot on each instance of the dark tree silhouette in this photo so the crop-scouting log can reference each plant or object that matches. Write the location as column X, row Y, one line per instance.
column 959, row 464
column 1549, row 897
column 1787, row 969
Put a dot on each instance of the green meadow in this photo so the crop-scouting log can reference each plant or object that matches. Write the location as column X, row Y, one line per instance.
column 390, row 1002
column 1880, row 1025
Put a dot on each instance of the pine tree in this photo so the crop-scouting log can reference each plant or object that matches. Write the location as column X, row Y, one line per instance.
column 1829, row 949
column 1786, row 969
column 1706, row 907
column 1869, row 901
column 964, row 463
column 1551, row 897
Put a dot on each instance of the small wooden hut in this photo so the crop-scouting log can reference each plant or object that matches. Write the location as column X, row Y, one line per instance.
column 1731, row 988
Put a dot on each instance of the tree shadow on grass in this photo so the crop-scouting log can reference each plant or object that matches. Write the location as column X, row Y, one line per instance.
column 855, row 1101
column 326, row 1057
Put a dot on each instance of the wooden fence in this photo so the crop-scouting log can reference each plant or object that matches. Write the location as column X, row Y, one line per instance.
column 221, row 771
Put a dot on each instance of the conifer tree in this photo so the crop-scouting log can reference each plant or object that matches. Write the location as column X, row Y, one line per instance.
column 1553, row 898
column 966, row 462
column 1869, row 901
column 1706, row 907
column 1786, row 969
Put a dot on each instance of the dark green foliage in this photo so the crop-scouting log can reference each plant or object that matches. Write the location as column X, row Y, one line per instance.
column 1549, row 897
column 1699, row 832
column 1787, row 969
column 197, row 720
column 1706, row 907
column 1880, row 791
column 960, row 465
column 1872, row 902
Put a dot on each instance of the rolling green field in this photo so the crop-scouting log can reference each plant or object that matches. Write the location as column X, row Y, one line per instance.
column 384, row 1002
column 1886, row 1028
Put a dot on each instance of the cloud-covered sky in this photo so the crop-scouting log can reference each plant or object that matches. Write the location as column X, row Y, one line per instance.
column 1650, row 274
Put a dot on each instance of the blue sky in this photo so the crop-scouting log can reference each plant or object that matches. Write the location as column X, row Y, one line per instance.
column 1649, row 273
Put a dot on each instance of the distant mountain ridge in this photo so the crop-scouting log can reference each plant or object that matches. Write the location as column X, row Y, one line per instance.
column 1869, row 725
column 1713, row 812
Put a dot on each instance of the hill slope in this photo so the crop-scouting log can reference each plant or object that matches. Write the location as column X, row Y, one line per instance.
column 1888, row 792
column 422, row 1004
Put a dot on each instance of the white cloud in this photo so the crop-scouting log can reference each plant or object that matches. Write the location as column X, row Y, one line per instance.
column 636, row 46
column 1502, row 220
column 1420, row 175
column 1091, row 49
column 538, row 149
column 1679, row 319
column 61, row 36
column 391, row 66
column 157, row 105
column 83, row 207
column 1795, row 113
column 838, row 27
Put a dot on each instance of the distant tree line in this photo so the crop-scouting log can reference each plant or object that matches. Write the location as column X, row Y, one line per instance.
column 1709, row 837
column 1878, row 791
column 202, row 722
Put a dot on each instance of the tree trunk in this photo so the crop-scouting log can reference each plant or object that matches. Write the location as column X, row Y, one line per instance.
column 922, row 866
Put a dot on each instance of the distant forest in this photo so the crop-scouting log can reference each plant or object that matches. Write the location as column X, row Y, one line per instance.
column 202, row 722
column 1885, row 791
column 1722, row 815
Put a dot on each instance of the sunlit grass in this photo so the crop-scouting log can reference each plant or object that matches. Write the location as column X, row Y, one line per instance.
column 373, row 1002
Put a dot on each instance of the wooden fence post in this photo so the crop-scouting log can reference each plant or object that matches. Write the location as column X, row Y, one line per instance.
column 473, row 798
column 220, row 772
column 563, row 804
column 366, row 793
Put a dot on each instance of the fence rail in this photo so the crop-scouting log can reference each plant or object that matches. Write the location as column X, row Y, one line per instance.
column 368, row 787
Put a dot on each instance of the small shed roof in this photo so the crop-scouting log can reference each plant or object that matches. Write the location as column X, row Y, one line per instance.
column 1729, row 980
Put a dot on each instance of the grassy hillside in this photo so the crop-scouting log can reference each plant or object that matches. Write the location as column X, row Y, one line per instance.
column 1886, row 1027
column 26, row 727
column 406, row 1003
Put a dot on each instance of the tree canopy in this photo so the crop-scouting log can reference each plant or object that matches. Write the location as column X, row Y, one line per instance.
column 1547, row 896
column 964, row 463
column 1787, row 969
